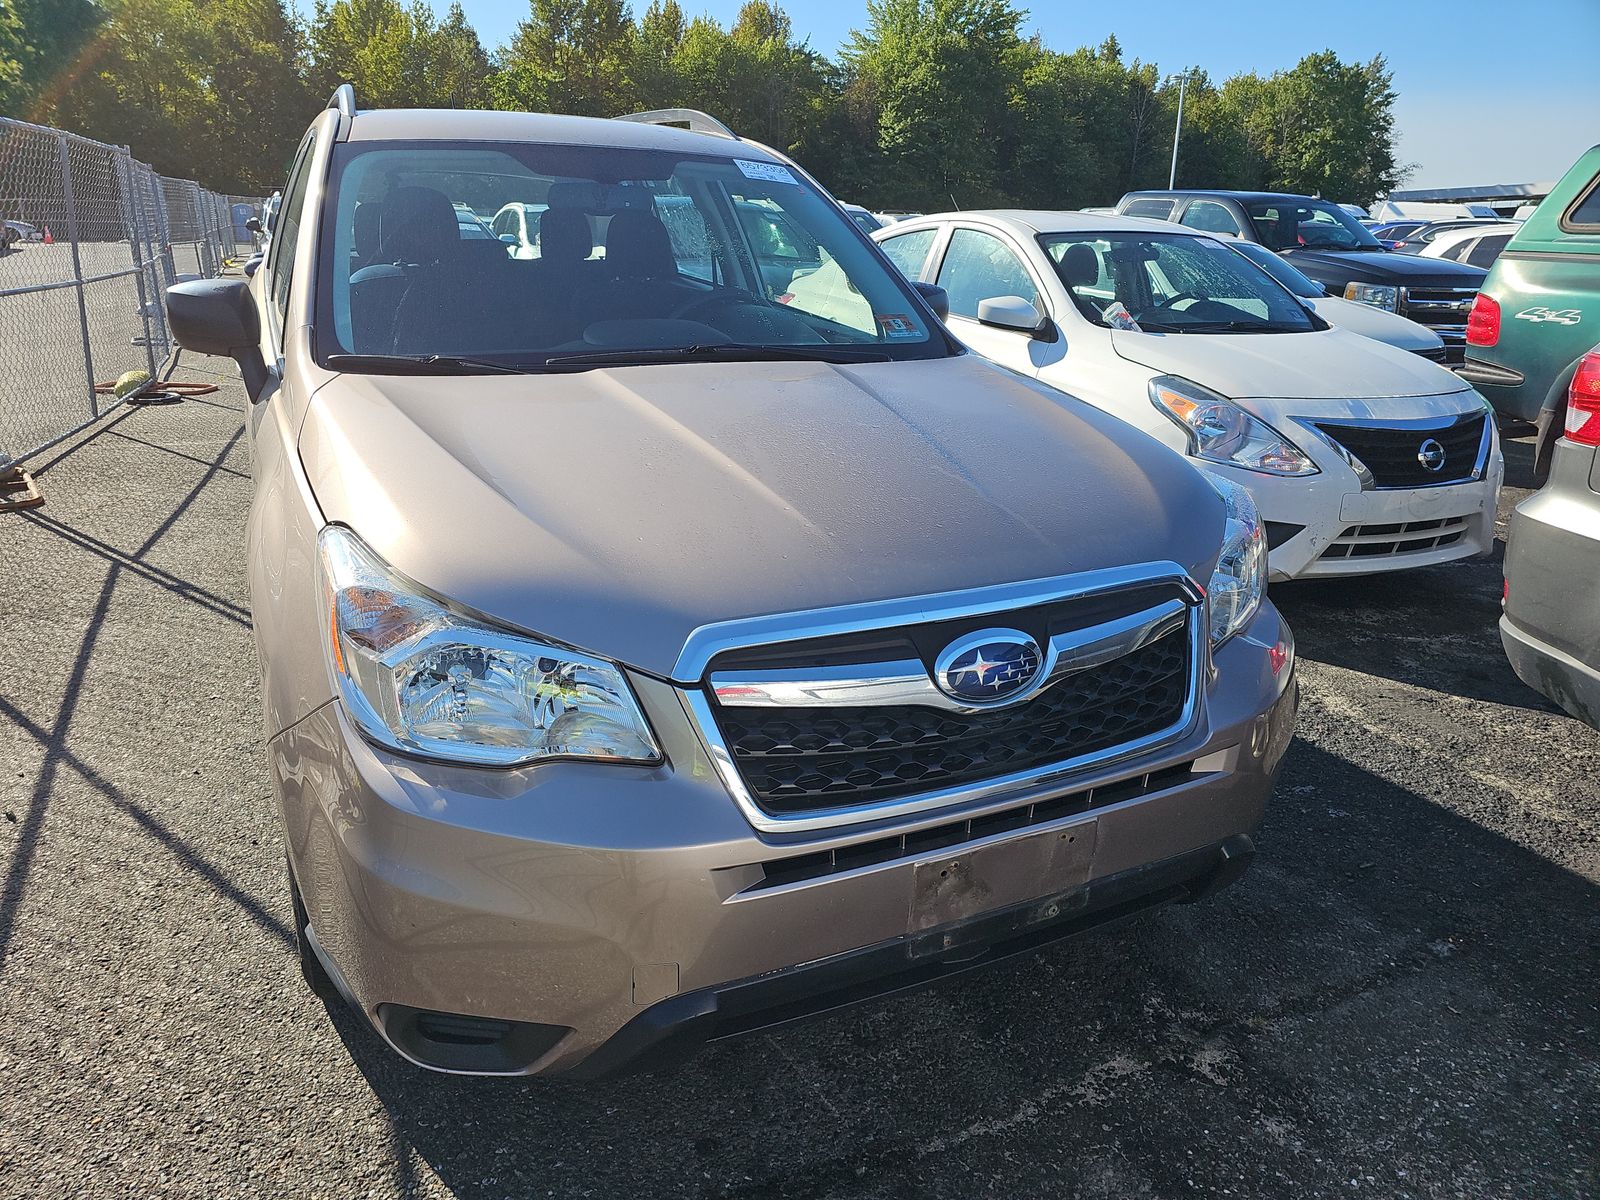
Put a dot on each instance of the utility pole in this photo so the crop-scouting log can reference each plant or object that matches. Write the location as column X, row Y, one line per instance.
column 1177, row 132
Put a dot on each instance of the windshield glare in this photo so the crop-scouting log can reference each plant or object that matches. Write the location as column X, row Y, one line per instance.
column 1308, row 225
column 518, row 253
column 1172, row 283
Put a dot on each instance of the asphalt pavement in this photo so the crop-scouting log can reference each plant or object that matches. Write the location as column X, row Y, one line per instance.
column 1402, row 998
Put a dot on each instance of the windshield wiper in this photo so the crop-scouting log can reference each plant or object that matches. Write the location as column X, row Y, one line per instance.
column 419, row 364
column 1225, row 327
column 737, row 351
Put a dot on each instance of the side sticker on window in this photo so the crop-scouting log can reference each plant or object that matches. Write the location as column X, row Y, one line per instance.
column 897, row 325
column 771, row 172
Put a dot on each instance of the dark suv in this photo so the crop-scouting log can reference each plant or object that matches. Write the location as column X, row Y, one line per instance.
column 1333, row 248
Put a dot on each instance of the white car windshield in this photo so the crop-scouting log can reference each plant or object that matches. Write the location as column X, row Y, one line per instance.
column 1173, row 283
column 622, row 255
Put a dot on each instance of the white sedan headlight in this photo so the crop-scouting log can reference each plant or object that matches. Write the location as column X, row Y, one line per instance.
column 1240, row 579
column 1379, row 295
column 424, row 679
column 1222, row 432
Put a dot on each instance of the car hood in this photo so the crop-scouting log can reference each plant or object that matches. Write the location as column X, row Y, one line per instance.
column 1329, row 364
column 1373, row 322
column 1387, row 266
column 618, row 510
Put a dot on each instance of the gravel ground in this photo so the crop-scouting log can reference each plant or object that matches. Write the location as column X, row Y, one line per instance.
column 1400, row 1000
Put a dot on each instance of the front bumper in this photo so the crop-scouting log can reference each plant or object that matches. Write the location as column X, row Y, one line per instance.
column 574, row 902
column 1329, row 525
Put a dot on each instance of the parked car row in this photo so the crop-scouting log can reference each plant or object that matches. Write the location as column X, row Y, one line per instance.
column 670, row 627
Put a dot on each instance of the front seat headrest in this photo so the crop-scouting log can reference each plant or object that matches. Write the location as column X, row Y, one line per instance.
column 564, row 236
column 1079, row 265
column 638, row 246
column 419, row 226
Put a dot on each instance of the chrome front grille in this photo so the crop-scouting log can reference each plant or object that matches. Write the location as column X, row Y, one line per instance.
column 858, row 725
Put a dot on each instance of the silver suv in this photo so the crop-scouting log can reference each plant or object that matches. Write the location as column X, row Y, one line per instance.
column 656, row 650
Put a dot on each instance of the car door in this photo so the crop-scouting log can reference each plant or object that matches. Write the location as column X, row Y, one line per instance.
column 979, row 264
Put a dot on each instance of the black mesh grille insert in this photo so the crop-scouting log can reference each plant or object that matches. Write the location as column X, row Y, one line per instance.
column 806, row 759
column 1394, row 455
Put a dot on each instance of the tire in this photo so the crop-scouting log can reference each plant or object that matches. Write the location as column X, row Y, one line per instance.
column 1552, row 423
column 316, row 975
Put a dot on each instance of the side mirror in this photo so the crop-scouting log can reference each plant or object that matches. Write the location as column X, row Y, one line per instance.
column 938, row 299
column 218, row 316
column 510, row 239
column 253, row 224
column 1012, row 312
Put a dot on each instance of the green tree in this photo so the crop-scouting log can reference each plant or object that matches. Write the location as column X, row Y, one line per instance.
column 257, row 102
column 570, row 56
column 941, row 75
column 655, row 49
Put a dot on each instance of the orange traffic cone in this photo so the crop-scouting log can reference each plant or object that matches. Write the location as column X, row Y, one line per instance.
column 48, row 240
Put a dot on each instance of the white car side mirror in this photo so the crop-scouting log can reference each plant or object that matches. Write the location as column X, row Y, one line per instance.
column 1010, row 312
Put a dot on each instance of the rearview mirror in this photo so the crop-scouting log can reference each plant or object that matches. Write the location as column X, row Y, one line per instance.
column 218, row 316
column 1011, row 312
column 938, row 299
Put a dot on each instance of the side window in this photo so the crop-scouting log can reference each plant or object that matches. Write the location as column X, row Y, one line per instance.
column 909, row 251
column 1158, row 209
column 1488, row 249
column 287, row 231
column 979, row 266
column 691, row 243
column 1210, row 216
column 1586, row 212
column 503, row 222
column 1456, row 252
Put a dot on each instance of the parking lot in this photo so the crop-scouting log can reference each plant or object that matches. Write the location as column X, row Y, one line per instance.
column 1401, row 999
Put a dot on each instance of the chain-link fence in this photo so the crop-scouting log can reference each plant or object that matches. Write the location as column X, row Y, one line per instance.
column 91, row 238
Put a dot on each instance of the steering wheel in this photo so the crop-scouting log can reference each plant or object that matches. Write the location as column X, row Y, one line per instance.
column 1171, row 300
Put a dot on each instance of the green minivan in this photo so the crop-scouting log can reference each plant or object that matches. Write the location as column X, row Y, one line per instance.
column 1539, row 310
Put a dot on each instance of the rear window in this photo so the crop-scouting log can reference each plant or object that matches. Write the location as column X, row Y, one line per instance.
column 1159, row 209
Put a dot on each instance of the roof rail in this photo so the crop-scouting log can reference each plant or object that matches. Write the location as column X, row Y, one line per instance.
column 692, row 118
column 344, row 99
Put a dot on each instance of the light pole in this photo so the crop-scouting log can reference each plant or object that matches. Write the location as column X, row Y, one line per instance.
column 1177, row 132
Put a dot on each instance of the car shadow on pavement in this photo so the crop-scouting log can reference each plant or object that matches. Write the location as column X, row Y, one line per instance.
column 1396, row 991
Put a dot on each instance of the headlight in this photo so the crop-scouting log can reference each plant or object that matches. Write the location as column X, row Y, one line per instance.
column 1240, row 579
column 1379, row 295
column 1222, row 432
column 419, row 677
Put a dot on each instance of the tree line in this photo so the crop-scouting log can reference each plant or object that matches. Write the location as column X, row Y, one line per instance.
column 931, row 103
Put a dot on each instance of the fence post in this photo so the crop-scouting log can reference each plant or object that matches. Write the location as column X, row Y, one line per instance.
column 77, row 268
column 134, row 226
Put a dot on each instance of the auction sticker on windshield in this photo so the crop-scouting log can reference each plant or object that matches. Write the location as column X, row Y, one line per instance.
column 772, row 172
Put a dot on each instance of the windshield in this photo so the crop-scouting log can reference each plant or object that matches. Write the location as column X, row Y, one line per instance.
column 1308, row 225
column 1285, row 274
column 596, row 255
column 1172, row 283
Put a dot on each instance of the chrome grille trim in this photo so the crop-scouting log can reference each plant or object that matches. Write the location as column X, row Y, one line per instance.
column 697, row 700
column 905, row 681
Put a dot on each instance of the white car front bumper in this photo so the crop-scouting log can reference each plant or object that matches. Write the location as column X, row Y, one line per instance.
column 1341, row 522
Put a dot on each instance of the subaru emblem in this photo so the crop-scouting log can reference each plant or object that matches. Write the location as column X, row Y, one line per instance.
column 989, row 667
column 1431, row 455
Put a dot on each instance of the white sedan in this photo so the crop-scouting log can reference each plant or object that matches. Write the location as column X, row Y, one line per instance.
column 1361, row 457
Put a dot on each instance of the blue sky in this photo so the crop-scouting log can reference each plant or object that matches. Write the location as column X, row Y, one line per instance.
column 1487, row 95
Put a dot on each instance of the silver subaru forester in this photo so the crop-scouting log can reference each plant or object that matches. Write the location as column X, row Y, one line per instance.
column 655, row 650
